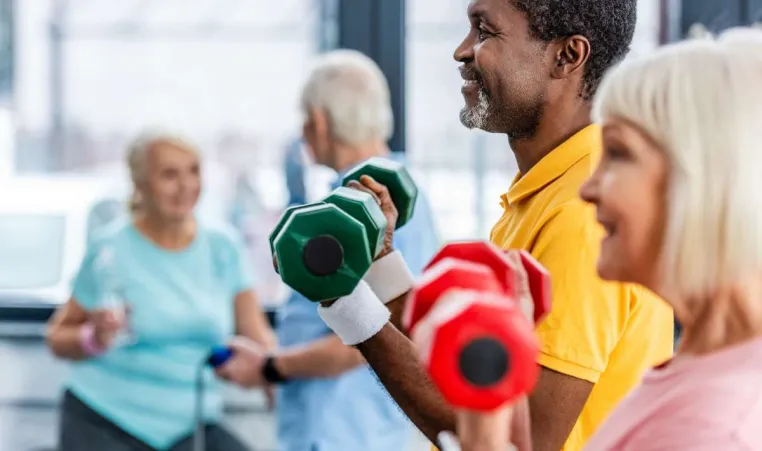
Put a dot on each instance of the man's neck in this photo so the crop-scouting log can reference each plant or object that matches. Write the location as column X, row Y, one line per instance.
column 348, row 157
column 554, row 129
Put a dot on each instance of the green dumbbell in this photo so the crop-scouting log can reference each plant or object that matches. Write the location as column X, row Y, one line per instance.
column 397, row 180
column 363, row 207
column 323, row 250
column 282, row 221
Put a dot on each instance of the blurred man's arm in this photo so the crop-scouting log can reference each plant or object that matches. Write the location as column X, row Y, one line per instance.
column 324, row 358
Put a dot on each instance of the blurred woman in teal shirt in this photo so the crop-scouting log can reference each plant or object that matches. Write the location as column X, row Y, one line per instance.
column 151, row 298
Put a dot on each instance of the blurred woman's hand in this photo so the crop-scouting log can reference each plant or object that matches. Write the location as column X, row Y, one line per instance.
column 107, row 323
column 245, row 367
column 506, row 429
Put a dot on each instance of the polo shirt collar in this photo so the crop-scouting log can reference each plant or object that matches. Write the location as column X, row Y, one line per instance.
column 554, row 164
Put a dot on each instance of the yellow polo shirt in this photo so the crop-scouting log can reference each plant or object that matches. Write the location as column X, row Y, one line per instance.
column 606, row 333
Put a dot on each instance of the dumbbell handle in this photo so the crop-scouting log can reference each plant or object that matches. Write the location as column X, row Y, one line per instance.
column 219, row 356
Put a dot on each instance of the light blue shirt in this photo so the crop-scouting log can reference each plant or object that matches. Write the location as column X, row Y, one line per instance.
column 181, row 305
column 353, row 411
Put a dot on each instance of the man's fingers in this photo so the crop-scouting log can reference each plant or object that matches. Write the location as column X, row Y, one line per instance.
column 275, row 264
column 360, row 187
column 521, row 284
column 378, row 189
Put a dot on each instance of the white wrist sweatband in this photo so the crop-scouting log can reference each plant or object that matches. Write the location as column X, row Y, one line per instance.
column 357, row 317
column 389, row 277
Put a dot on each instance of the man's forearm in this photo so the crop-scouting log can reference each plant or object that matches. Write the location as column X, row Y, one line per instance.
column 395, row 361
column 396, row 306
column 327, row 357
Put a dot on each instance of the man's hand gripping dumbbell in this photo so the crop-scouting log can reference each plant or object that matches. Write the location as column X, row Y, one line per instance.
column 477, row 340
column 323, row 250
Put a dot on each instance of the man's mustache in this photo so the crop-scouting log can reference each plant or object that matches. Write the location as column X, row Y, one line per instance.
column 470, row 73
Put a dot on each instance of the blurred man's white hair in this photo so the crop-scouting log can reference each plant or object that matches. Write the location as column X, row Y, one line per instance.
column 701, row 101
column 354, row 93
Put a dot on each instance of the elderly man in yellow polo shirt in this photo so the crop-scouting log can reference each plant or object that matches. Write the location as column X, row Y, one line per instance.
column 530, row 69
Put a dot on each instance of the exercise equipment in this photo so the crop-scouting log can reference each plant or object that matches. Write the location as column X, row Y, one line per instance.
column 218, row 356
column 478, row 347
column 498, row 261
column 394, row 176
column 448, row 274
column 465, row 315
column 324, row 249
column 282, row 221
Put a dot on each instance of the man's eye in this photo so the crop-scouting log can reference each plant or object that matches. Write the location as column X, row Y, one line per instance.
column 483, row 34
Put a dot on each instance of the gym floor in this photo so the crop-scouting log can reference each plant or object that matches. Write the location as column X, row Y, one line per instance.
column 30, row 386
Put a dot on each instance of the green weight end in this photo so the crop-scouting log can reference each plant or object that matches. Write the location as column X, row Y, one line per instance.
column 363, row 207
column 396, row 178
column 304, row 240
column 282, row 221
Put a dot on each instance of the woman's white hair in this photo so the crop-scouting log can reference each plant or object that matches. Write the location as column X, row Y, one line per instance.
column 701, row 101
column 354, row 93
column 137, row 157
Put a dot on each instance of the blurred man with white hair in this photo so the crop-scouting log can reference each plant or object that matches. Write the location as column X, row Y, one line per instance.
column 329, row 399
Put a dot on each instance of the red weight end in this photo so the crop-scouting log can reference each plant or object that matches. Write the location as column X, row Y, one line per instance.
column 446, row 339
column 483, row 252
column 447, row 274
column 539, row 285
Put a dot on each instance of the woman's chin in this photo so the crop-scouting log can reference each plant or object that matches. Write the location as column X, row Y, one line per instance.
column 608, row 271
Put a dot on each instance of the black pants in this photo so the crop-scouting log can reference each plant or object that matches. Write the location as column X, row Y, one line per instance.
column 83, row 429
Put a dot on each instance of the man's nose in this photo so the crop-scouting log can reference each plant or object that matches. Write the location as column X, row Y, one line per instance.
column 464, row 53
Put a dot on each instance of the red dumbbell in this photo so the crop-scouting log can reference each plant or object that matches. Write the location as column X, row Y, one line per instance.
column 479, row 349
column 447, row 274
column 503, row 265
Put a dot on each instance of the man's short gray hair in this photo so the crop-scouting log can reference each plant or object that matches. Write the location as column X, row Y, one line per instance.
column 354, row 93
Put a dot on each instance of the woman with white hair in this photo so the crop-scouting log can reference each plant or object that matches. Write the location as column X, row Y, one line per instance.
column 151, row 299
column 679, row 192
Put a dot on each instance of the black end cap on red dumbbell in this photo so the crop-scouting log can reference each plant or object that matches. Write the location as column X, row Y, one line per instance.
column 323, row 255
column 484, row 362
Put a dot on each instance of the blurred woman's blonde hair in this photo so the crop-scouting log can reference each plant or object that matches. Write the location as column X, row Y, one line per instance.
column 137, row 159
column 701, row 101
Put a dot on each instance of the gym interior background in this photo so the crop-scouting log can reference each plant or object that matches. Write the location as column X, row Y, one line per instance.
column 78, row 78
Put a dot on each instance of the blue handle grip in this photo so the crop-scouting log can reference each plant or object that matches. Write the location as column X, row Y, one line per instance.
column 219, row 355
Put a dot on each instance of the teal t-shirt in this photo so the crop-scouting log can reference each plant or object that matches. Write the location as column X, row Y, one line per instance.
column 182, row 304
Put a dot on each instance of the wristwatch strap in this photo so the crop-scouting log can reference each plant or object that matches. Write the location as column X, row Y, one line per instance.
column 271, row 373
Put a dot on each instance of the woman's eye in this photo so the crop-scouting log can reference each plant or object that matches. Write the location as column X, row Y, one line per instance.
column 616, row 153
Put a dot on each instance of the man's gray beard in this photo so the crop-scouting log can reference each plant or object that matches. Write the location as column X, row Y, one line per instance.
column 476, row 116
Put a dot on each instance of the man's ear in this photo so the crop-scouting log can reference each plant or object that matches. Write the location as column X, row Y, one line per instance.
column 570, row 56
column 319, row 120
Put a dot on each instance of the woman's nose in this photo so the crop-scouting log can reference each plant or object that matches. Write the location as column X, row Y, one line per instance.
column 589, row 190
